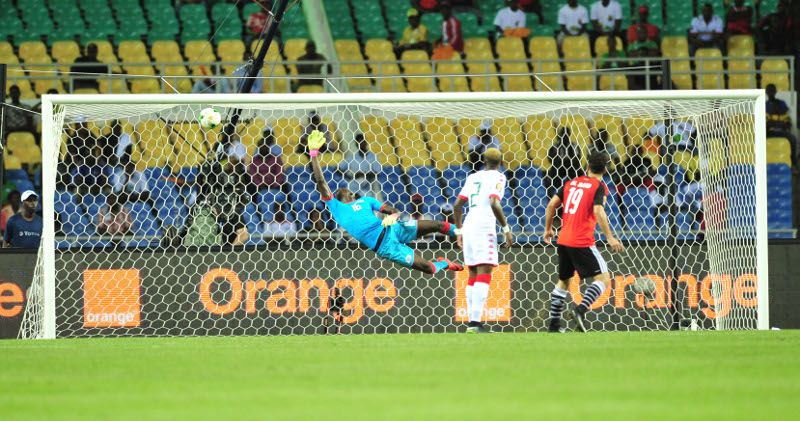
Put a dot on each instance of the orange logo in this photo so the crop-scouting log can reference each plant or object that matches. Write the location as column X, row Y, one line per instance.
column 498, row 305
column 111, row 298
column 11, row 299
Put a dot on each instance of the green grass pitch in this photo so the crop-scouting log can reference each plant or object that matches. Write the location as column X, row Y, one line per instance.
column 653, row 375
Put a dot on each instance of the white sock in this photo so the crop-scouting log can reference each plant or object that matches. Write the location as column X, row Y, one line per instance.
column 480, row 292
column 469, row 300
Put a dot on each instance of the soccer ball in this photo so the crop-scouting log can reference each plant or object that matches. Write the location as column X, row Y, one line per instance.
column 644, row 286
column 210, row 118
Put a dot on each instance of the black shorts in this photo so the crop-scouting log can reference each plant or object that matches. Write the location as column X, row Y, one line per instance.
column 586, row 260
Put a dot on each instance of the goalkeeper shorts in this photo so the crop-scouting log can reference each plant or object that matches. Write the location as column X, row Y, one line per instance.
column 394, row 248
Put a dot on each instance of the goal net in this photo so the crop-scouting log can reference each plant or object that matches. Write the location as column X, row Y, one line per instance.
column 156, row 226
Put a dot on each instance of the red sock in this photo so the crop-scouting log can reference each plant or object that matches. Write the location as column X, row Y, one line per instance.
column 445, row 227
column 470, row 281
column 486, row 278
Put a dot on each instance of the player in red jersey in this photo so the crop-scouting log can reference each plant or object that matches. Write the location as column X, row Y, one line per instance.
column 584, row 199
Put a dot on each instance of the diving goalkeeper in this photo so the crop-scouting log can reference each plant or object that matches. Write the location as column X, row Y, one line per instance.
column 387, row 237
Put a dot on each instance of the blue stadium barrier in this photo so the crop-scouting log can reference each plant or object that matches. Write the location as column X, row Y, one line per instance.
column 455, row 175
column 92, row 203
column 143, row 221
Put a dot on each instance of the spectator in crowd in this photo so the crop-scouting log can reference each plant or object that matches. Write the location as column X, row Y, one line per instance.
column 266, row 168
column 452, row 37
column 601, row 144
column 739, row 19
column 427, row 6
column 24, row 230
column 311, row 63
column 637, row 170
column 447, row 214
column 606, row 17
column 118, row 146
column 315, row 123
column 779, row 124
column 241, row 72
column 773, row 29
column 256, row 22
column 38, row 107
column 573, row 19
column 130, row 184
column 280, row 226
column 87, row 172
column 642, row 47
column 419, row 213
column 510, row 21
column 235, row 150
column 612, row 58
column 690, row 198
column 532, row 6
column 683, row 134
column 315, row 232
column 565, row 161
column 17, row 117
column 211, row 83
column 706, row 30
column 113, row 218
column 230, row 202
column 415, row 35
column 361, row 169
column 88, row 63
column 333, row 321
column 14, row 202
column 477, row 144
column 653, row 33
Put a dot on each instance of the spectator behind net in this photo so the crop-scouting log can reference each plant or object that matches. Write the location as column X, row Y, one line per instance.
column 510, row 21
column 361, row 169
column 452, row 36
column 739, row 19
column 131, row 184
column 24, row 230
column 601, row 144
column 415, row 35
column 315, row 232
column 653, row 33
column 266, row 168
column 311, row 63
column 18, row 117
column 643, row 47
column 779, row 124
column 88, row 63
column 280, row 226
column 612, row 59
column 606, row 17
column 332, row 322
column 572, row 18
column 565, row 161
column 772, row 31
column 706, row 31
column 14, row 203
column 113, row 218
column 479, row 143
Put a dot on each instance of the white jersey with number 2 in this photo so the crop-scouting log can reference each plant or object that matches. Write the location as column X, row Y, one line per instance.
column 479, row 188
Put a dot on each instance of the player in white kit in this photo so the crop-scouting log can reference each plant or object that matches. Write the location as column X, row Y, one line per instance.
column 483, row 192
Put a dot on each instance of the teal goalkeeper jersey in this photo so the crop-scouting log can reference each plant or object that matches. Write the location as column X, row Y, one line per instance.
column 358, row 218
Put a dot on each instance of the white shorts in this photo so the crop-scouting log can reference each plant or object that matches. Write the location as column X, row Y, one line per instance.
column 480, row 246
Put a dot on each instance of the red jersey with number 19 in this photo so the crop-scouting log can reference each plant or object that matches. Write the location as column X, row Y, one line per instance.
column 578, row 198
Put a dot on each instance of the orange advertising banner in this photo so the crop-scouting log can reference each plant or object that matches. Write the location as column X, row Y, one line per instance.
column 498, row 305
column 111, row 298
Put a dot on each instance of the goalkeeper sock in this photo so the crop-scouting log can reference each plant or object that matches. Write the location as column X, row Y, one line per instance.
column 595, row 290
column 449, row 229
column 437, row 266
column 558, row 299
column 480, row 293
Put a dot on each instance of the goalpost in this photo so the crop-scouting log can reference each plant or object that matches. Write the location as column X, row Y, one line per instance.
column 687, row 197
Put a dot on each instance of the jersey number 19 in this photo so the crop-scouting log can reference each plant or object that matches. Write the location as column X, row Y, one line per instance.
column 573, row 201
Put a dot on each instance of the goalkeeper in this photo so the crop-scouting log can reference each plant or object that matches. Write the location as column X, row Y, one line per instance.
column 387, row 237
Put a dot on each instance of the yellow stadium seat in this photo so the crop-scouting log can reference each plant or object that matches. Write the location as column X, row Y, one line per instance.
column 287, row 133
column 145, row 86
column 32, row 49
column 516, row 83
column 616, row 131
column 331, row 159
column 681, row 74
column 65, row 51
column 310, row 89
column 742, row 43
column 6, row 49
column 250, row 133
column 708, row 66
column 637, row 128
column 553, row 80
column 166, row 51
column 153, row 142
column 688, row 161
column 775, row 71
column 410, row 144
column 357, row 78
column 294, row 48
column 576, row 47
column 182, row 84
column 348, row 49
column 12, row 162
column 601, row 45
column 194, row 50
column 276, row 83
column 456, row 81
column 579, row 81
column 613, row 82
column 19, row 140
column 717, row 156
column 231, row 50
column 416, row 64
column 540, row 134
column 132, row 50
column 115, row 85
column 273, row 54
column 675, row 46
column 483, row 83
column 677, row 49
column 191, row 147
column 510, row 48
column 378, row 49
column 85, row 91
column 141, row 67
column 512, row 143
column 30, row 154
column 442, row 139
column 779, row 151
column 543, row 47
column 745, row 64
column 579, row 130
column 376, row 133
column 741, row 139
column 477, row 46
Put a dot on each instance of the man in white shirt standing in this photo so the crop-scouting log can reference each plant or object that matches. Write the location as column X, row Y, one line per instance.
column 573, row 18
column 606, row 17
column 706, row 31
column 509, row 19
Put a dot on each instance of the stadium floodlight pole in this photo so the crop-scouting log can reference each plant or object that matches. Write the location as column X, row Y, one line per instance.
column 671, row 202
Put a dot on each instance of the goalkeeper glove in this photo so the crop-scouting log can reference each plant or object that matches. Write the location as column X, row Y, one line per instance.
column 316, row 140
column 390, row 220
